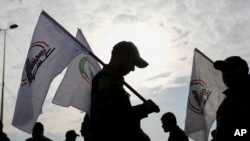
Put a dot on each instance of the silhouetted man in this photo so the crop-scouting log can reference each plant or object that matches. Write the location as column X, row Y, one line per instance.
column 112, row 117
column 169, row 124
column 234, row 112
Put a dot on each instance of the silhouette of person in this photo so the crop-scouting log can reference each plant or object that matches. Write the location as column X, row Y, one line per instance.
column 85, row 128
column 169, row 124
column 3, row 136
column 233, row 113
column 37, row 133
column 112, row 116
column 71, row 135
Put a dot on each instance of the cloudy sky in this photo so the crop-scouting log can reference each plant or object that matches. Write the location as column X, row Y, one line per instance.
column 165, row 31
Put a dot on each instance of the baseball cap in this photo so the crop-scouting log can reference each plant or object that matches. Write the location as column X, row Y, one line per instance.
column 230, row 62
column 71, row 133
column 129, row 47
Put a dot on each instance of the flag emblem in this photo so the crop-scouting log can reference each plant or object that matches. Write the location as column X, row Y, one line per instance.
column 51, row 50
column 83, row 71
column 199, row 96
column 37, row 55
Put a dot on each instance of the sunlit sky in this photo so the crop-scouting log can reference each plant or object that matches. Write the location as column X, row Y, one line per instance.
column 166, row 33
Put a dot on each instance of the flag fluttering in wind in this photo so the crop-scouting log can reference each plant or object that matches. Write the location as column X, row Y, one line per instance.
column 75, row 87
column 52, row 49
column 205, row 96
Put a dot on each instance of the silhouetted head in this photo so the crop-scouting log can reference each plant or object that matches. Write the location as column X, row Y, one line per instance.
column 37, row 129
column 234, row 70
column 71, row 135
column 230, row 63
column 126, row 56
column 168, row 121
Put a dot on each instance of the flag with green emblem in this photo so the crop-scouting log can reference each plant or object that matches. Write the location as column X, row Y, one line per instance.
column 75, row 87
column 51, row 50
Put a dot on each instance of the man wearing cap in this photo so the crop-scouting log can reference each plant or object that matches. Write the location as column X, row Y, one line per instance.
column 113, row 118
column 71, row 135
column 233, row 115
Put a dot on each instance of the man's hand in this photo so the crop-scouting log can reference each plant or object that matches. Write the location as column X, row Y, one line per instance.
column 151, row 106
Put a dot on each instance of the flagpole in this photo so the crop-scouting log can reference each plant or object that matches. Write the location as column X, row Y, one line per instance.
column 3, row 73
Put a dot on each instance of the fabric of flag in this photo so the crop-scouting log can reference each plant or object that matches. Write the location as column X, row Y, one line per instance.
column 205, row 96
column 52, row 49
column 75, row 88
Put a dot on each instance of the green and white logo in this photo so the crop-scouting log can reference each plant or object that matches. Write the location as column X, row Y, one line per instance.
column 85, row 70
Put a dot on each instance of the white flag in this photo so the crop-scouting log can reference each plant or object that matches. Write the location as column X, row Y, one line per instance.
column 205, row 95
column 52, row 49
column 75, row 88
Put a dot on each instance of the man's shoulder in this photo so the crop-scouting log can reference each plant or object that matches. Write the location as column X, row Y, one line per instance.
column 103, row 79
column 178, row 132
column 46, row 139
column 103, row 73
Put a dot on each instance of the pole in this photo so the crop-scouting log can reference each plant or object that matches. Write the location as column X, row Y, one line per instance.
column 3, row 73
